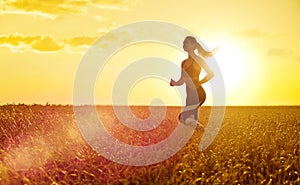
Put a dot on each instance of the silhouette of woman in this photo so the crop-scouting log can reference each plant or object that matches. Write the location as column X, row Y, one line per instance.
column 190, row 71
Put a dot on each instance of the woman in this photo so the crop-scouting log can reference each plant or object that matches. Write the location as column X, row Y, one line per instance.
column 190, row 71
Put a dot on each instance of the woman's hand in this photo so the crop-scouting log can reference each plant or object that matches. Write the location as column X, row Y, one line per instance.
column 179, row 82
column 172, row 82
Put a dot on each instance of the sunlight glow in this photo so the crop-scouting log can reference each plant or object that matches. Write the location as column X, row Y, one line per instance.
column 232, row 62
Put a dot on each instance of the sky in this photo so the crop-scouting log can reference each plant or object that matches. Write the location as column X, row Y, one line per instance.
column 42, row 44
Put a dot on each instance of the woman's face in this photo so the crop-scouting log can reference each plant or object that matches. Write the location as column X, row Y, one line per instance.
column 188, row 45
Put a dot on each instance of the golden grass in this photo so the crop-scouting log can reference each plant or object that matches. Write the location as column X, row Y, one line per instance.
column 256, row 145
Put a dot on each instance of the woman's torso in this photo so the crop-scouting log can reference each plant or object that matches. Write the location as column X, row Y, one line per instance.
column 192, row 69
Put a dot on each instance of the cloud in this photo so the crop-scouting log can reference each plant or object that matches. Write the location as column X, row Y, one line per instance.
column 36, row 43
column 17, row 39
column 45, row 44
column 250, row 33
column 80, row 41
column 47, row 6
column 42, row 43
column 279, row 52
column 59, row 7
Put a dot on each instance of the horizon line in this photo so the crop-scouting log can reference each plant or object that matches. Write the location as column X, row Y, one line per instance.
column 144, row 105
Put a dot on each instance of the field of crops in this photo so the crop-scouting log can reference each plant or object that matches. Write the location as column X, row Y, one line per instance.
column 256, row 145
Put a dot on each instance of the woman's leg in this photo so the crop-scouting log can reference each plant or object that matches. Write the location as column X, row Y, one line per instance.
column 191, row 99
column 194, row 97
column 201, row 98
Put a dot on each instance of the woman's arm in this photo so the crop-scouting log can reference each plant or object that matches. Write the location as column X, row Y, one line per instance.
column 179, row 82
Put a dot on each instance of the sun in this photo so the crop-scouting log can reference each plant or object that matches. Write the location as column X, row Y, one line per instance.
column 233, row 65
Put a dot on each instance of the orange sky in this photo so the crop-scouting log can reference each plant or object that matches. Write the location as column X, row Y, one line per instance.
column 43, row 42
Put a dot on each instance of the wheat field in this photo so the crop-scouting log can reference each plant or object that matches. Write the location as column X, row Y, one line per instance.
column 41, row 144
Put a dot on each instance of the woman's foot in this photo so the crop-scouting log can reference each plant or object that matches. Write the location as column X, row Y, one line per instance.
column 191, row 121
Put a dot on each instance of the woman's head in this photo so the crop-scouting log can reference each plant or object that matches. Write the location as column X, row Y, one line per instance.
column 190, row 43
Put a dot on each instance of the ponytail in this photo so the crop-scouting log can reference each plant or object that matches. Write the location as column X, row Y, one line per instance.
column 201, row 50
column 205, row 53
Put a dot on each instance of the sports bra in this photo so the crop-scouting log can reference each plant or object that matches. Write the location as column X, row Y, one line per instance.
column 193, row 69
